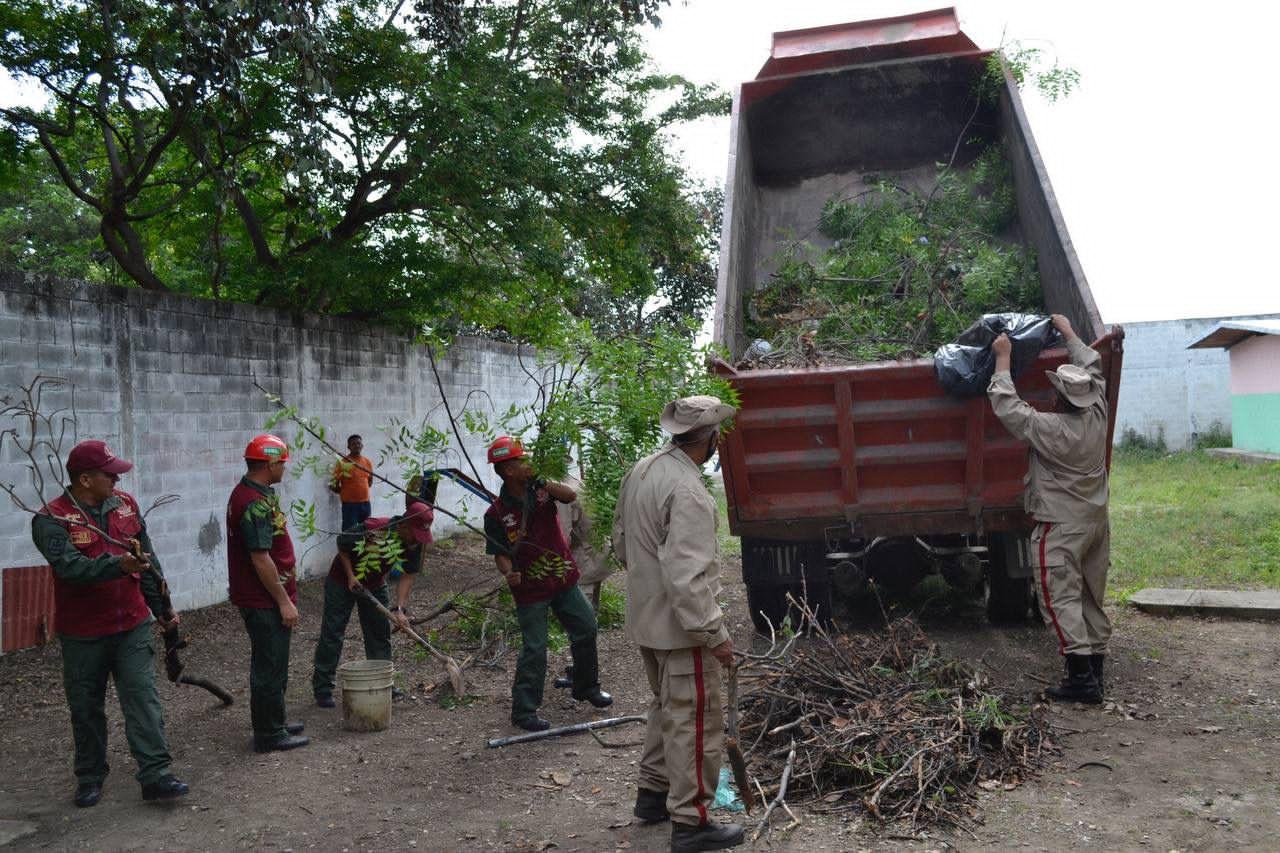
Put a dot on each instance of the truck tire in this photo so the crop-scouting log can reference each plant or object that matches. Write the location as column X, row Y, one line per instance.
column 1009, row 599
column 768, row 604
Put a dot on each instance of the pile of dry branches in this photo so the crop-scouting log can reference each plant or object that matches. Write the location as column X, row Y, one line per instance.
column 880, row 722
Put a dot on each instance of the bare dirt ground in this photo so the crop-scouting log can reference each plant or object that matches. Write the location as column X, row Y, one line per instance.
column 1192, row 752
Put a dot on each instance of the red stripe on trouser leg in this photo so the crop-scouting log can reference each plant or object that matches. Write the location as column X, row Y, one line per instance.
column 698, row 724
column 1044, row 589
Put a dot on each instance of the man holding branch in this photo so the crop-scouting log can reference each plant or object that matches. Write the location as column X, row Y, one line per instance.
column 664, row 532
column 104, row 597
column 367, row 553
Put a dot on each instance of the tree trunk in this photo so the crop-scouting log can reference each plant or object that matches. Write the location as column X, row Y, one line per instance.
column 125, row 246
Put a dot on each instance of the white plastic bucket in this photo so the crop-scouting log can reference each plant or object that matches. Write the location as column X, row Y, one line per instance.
column 366, row 694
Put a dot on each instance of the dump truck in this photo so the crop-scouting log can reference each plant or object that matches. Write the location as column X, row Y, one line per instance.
column 835, row 475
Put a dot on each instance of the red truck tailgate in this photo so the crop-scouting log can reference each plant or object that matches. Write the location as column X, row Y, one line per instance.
column 879, row 447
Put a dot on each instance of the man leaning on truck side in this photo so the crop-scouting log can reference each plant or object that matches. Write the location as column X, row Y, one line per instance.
column 1066, row 494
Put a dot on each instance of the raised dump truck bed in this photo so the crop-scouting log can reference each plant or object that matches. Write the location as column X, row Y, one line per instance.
column 836, row 472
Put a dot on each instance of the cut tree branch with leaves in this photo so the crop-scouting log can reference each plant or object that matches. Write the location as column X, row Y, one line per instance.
column 39, row 434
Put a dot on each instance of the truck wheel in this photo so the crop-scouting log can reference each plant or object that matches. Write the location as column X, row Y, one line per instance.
column 769, row 605
column 1008, row 598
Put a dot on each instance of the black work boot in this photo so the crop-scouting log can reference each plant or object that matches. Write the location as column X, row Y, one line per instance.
column 531, row 724
column 281, row 743
column 686, row 838
column 167, row 787
column 595, row 696
column 565, row 681
column 1096, row 663
column 651, row 806
column 88, row 794
column 1079, row 685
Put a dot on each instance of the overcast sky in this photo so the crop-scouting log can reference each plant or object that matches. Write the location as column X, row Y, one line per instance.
column 1164, row 160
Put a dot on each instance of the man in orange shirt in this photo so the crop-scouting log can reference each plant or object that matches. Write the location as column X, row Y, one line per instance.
column 352, row 478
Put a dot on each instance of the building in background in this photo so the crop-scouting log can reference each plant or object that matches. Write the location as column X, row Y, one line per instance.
column 1170, row 393
column 1252, row 347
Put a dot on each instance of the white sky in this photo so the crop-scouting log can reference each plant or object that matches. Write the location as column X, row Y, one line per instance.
column 1163, row 160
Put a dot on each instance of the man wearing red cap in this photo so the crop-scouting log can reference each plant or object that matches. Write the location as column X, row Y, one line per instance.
column 350, row 572
column 263, row 584
column 523, row 533
column 1067, row 494
column 106, row 590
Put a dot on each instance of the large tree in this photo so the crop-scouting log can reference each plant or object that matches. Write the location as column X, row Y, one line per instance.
column 481, row 161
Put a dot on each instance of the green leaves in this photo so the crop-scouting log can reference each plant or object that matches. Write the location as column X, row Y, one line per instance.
column 1052, row 79
column 380, row 550
column 468, row 163
column 905, row 271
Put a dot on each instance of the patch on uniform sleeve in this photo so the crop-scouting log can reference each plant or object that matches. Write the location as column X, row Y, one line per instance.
column 81, row 537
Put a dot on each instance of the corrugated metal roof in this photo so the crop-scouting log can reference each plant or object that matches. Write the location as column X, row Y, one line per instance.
column 1231, row 332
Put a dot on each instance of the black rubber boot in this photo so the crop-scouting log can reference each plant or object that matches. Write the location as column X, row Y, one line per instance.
column 1079, row 685
column 1097, row 663
column 565, row 681
column 708, row 836
column 651, row 806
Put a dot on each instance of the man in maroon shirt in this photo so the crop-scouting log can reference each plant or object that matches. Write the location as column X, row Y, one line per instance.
column 523, row 533
column 105, row 595
column 344, row 587
column 263, row 584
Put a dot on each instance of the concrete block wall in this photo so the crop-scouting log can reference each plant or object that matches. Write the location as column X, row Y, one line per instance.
column 167, row 381
column 1166, row 387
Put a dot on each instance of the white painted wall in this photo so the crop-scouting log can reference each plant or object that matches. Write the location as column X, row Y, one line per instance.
column 1165, row 386
column 167, row 382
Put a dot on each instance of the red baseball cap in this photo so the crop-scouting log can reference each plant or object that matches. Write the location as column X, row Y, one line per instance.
column 94, row 455
column 417, row 520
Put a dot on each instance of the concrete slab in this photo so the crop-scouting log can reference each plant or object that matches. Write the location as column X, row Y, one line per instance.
column 1226, row 603
column 1251, row 457
column 12, row 830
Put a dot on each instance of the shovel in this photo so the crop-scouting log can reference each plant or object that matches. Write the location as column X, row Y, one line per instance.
column 731, row 747
column 450, row 665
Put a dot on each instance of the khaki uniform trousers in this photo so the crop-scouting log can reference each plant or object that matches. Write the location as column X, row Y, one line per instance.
column 685, row 735
column 1072, row 561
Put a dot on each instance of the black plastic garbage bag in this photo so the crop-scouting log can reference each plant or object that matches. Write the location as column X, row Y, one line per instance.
column 964, row 368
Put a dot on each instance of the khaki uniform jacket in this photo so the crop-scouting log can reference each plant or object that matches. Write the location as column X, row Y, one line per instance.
column 577, row 528
column 1067, row 471
column 664, row 532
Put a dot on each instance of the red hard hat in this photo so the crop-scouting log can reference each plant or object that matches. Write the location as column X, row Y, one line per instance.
column 267, row 448
column 503, row 448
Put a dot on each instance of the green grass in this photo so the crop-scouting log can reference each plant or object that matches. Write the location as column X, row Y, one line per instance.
column 730, row 545
column 1189, row 520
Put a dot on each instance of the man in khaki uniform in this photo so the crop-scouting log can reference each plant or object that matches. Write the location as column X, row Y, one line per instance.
column 1066, row 494
column 664, row 532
